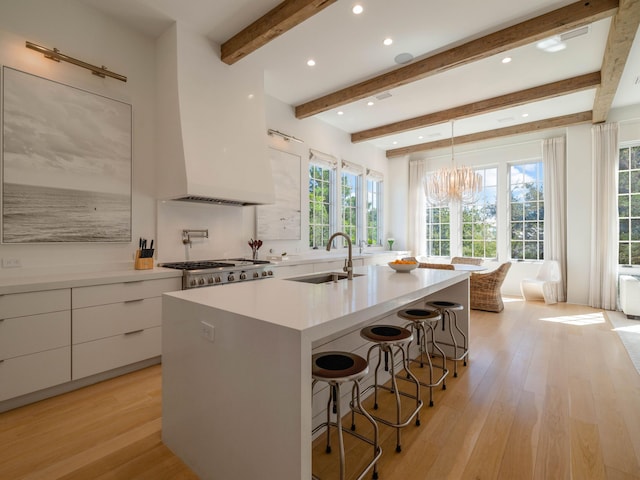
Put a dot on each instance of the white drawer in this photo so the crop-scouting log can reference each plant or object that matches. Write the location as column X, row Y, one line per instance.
column 92, row 323
column 105, row 354
column 335, row 265
column 292, row 270
column 32, row 303
column 34, row 333
column 29, row 373
column 122, row 292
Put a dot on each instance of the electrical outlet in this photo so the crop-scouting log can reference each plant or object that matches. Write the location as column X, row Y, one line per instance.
column 206, row 329
column 11, row 263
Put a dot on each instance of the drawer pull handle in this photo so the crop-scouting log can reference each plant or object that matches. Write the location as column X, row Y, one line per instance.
column 134, row 300
column 135, row 331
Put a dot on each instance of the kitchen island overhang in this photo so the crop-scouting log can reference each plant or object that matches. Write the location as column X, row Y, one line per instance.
column 240, row 406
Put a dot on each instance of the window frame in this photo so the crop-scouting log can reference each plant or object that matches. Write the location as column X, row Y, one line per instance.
column 376, row 180
column 484, row 237
column 631, row 204
column 330, row 225
column 539, row 241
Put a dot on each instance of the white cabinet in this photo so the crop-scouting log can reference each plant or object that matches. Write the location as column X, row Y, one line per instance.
column 335, row 265
column 287, row 271
column 117, row 324
column 381, row 258
column 35, row 338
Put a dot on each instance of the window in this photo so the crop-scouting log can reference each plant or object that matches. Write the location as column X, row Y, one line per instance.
column 629, row 205
column 350, row 187
column 373, row 232
column 321, row 179
column 438, row 231
column 480, row 221
column 527, row 211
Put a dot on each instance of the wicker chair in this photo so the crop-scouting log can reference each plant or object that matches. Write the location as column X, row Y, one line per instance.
column 485, row 289
column 467, row 260
column 438, row 266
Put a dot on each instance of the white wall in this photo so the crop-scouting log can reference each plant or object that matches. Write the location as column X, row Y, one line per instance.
column 81, row 32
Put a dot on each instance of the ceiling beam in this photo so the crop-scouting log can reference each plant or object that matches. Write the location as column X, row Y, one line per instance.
column 534, row 94
column 622, row 32
column 556, row 122
column 280, row 19
column 558, row 21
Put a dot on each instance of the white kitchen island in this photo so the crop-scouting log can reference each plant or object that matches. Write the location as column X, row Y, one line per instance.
column 237, row 398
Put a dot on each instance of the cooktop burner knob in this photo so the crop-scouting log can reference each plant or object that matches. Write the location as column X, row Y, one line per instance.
column 256, row 274
column 264, row 274
column 217, row 279
column 201, row 281
column 193, row 282
column 210, row 280
column 269, row 272
column 243, row 276
column 231, row 278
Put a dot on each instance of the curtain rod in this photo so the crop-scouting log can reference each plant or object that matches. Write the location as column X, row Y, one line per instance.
column 56, row 56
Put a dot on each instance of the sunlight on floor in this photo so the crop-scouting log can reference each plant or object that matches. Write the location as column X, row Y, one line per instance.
column 512, row 299
column 629, row 329
column 579, row 320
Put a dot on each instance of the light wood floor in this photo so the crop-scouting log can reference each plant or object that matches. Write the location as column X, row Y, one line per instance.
column 549, row 393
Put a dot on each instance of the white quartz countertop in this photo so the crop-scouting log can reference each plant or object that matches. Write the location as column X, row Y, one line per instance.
column 320, row 256
column 35, row 280
column 321, row 309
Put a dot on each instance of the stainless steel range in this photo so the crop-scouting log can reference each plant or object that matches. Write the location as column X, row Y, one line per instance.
column 208, row 273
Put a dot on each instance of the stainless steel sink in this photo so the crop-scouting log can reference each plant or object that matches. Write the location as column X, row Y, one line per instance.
column 323, row 277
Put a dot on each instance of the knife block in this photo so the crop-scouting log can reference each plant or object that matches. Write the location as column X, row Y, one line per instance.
column 143, row 263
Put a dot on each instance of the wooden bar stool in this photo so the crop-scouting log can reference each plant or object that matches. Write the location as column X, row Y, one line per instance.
column 385, row 339
column 448, row 311
column 336, row 368
column 424, row 321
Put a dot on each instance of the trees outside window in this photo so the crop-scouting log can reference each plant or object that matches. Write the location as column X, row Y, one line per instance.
column 374, row 212
column 629, row 205
column 320, row 205
column 438, row 231
column 480, row 219
column 350, row 188
column 527, row 211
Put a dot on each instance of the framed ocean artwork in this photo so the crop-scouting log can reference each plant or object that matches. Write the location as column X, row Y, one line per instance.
column 66, row 163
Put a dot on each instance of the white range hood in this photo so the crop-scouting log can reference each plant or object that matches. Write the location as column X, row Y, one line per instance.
column 212, row 142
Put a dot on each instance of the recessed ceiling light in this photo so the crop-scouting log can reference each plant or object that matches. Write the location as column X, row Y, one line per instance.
column 370, row 103
column 551, row 44
column 388, row 41
column 420, row 137
column 340, row 112
column 506, row 60
column 525, row 115
column 395, row 143
column 311, row 62
column 357, row 9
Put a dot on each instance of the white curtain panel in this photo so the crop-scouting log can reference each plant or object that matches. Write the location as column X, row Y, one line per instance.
column 604, row 211
column 417, row 208
column 555, row 207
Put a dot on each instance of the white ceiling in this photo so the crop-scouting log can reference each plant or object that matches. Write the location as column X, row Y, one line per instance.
column 348, row 49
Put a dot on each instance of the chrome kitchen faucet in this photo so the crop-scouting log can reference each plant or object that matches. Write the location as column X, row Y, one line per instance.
column 348, row 267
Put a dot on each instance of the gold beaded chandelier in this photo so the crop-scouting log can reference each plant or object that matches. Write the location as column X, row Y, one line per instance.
column 452, row 184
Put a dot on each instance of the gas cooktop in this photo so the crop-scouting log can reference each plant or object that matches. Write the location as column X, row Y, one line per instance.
column 204, row 273
column 204, row 264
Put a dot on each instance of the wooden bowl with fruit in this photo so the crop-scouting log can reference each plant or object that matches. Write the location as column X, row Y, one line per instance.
column 403, row 266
